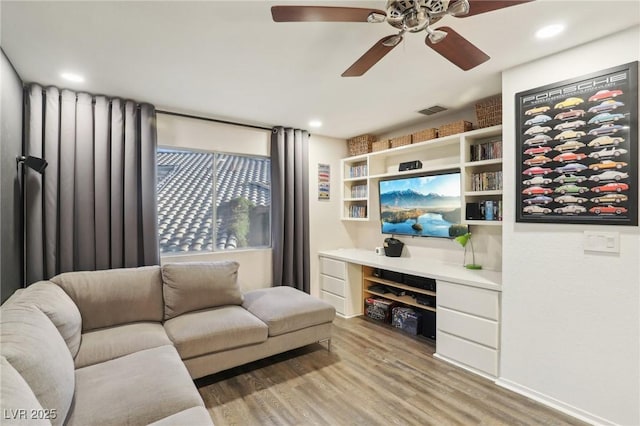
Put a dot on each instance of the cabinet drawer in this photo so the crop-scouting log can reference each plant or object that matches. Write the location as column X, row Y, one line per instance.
column 471, row 300
column 333, row 285
column 468, row 353
column 334, row 268
column 472, row 328
column 337, row 301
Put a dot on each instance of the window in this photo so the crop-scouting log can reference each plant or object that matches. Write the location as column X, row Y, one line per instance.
column 212, row 201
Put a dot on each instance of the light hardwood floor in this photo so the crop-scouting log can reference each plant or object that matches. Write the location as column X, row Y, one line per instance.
column 373, row 375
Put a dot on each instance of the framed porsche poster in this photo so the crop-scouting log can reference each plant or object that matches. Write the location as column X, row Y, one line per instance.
column 577, row 150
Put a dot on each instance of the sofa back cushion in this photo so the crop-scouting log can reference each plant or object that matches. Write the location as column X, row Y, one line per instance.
column 18, row 403
column 193, row 286
column 115, row 296
column 60, row 309
column 35, row 348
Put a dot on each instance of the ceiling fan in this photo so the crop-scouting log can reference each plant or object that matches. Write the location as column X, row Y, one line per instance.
column 411, row 16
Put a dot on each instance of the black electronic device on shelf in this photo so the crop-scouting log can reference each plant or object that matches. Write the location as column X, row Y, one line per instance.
column 410, row 165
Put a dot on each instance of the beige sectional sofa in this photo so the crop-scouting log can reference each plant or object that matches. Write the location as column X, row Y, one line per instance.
column 122, row 347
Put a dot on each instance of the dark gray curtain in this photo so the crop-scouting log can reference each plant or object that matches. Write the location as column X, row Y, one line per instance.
column 290, row 207
column 95, row 205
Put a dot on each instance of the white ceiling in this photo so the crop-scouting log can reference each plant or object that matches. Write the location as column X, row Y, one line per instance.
column 229, row 60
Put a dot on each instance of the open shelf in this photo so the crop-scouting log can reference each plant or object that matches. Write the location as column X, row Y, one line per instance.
column 399, row 285
column 405, row 300
column 436, row 155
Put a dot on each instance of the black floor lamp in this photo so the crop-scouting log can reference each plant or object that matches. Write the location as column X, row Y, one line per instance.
column 37, row 164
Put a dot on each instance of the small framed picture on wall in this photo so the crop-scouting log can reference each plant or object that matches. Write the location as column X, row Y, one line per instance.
column 577, row 150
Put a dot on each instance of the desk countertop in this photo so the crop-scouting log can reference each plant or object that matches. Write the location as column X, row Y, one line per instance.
column 436, row 269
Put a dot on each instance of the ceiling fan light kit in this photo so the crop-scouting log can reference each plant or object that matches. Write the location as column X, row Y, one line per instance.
column 411, row 16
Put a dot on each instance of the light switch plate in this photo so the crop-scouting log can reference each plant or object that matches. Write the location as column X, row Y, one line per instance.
column 605, row 242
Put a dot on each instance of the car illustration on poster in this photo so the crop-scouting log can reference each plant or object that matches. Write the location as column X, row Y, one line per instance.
column 537, row 180
column 608, row 210
column 535, row 209
column 611, row 187
column 607, row 153
column 613, row 197
column 537, row 130
column 537, row 190
column 538, row 119
column 606, row 117
column 605, row 106
column 605, row 140
column 605, row 94
column 569, row 125
column 538, row 199
column 538, row 150
column 537, row 140
column 609, row 175
column 567, row 115
column 532, row 171
column 568, row 103
column 537, row 110
column 570, row 189
column 569, row 146
column 538, row 160
column 570, row 168
column 568, row 198
column 569, row 156
column 570, row 209
column 569, row 134
column 562, row 179
column 605, row 129
column 608, row 164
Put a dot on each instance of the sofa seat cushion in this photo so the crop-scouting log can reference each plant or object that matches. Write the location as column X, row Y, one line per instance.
column 193, row 286
column 115, row 296
column 196, row 416
column 135, row 389
column 213, row 330
column 285, row 309
column 35, row 348
column 113, row 342
column 18, row 403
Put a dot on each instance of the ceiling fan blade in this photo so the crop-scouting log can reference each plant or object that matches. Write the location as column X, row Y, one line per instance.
column 322, row 14
column 370, row 58
column 477, row 7
column 458, row 50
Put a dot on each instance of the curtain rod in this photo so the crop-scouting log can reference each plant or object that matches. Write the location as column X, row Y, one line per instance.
column 177, row 114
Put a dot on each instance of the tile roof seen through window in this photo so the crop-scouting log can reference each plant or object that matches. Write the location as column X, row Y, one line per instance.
column 186, row 196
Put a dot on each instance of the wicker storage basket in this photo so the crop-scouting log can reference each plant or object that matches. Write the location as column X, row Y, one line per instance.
column 400, row 141
column 380, row 145
column 424, row 135
column 361, row 144
column 489, row 111
column 454, row 128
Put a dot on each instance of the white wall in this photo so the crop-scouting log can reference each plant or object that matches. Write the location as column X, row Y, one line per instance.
column 181, row 132
column 327, row 231
column 570, row 319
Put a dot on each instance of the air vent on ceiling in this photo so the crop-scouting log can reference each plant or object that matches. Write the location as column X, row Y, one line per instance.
column 432, row 110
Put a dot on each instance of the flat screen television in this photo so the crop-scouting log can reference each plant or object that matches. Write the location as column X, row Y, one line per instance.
column 423, row 206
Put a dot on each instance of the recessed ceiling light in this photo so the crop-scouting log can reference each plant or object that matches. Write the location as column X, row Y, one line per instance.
column 550, row 31
column 315, row 123
column 69, row 76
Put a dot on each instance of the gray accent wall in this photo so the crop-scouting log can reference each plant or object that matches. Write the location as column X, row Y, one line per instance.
column 10, row 148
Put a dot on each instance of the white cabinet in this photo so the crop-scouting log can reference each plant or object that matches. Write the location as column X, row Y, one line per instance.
column 468, row 327
column 341, row 285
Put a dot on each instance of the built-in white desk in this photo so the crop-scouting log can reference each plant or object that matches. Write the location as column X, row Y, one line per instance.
column 467, row 301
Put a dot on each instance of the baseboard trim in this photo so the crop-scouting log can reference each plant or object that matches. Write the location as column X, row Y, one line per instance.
column 556, row 404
